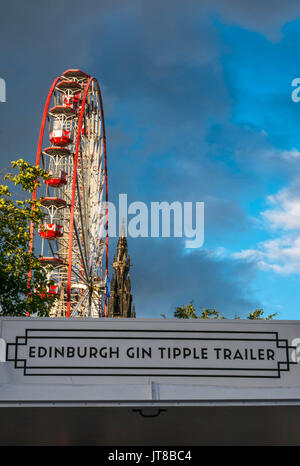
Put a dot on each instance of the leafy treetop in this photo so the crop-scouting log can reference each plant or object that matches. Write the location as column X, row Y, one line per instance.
column 189, row 312
column 18, row 294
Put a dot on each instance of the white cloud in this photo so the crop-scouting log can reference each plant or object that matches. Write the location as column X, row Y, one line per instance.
column 290, row 154
column 284, row 212
column 282, row 253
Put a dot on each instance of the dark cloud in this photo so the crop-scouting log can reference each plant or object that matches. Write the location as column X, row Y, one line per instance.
column 164, row 278
column 157, row 65
column 266, row 17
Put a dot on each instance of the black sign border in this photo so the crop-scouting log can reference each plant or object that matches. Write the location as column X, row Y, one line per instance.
column 282, row 366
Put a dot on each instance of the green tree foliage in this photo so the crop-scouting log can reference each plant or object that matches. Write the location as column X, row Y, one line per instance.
column 18, row 294
column 258, row 314
column 189, row 312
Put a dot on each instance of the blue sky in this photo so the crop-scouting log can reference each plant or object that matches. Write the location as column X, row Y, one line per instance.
column 198, row 107
column 258, row 73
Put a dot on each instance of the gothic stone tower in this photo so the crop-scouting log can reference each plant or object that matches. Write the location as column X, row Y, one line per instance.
column 120, row 300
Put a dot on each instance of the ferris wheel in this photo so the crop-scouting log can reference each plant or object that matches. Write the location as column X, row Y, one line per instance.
column 73, row 239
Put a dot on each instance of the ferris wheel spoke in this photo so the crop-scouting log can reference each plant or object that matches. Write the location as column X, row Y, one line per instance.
column 82, row 221
column 97, row 306
column 82, row 300
column 82, row 255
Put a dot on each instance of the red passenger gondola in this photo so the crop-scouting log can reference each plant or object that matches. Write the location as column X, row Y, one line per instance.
column 56, row 180
column 51, row 230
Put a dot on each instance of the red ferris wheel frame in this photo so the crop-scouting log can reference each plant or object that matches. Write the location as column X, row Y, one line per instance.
column 38, row 158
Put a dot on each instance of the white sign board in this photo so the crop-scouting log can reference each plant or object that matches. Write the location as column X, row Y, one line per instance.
column 172, row 353
column 198, row 353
